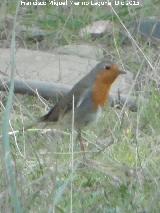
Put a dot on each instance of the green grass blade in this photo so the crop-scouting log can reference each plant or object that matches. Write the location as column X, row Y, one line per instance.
column 5, row 129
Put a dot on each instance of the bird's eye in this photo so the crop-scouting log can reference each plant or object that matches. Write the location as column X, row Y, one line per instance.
column 107, row 67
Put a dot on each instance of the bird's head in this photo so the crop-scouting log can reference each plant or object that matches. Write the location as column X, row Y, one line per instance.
column 109, row 74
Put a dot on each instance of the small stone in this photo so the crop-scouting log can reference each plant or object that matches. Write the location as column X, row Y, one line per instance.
column 97, row 29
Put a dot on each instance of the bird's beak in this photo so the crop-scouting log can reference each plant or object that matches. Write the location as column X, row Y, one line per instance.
column 122, row 72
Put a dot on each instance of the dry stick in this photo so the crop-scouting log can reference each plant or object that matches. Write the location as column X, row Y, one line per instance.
column 72, row 156
column 43, row 131
column 141, row 51
column 125, row 103
column 5, row 87
column 131, row 37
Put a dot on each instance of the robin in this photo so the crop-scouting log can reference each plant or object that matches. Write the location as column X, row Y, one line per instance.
column 90, row 95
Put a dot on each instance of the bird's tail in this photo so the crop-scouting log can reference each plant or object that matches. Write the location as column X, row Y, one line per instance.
column 52, row 115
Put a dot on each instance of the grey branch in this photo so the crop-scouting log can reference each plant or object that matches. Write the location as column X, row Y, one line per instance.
column 52, row 90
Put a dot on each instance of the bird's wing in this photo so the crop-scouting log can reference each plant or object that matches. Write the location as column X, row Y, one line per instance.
column 85, row 112
column 81, row 88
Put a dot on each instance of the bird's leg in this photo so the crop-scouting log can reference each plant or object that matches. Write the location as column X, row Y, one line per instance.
column 79, row 138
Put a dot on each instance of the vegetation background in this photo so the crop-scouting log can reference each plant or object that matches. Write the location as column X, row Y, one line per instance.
column 44, row 171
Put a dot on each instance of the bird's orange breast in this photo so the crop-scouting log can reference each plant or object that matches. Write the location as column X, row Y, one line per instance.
column 100, row 94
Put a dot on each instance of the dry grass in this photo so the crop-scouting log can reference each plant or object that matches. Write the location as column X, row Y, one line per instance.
column 122, row 170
